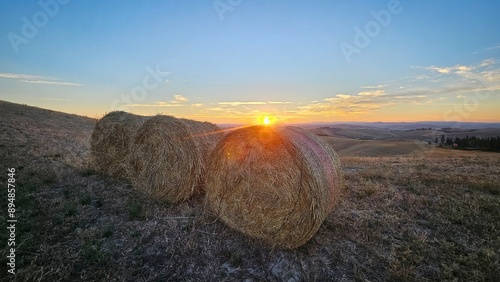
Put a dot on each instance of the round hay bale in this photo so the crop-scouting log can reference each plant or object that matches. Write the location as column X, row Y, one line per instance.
column 168, row 157
column 276, row 184
column 111, row 140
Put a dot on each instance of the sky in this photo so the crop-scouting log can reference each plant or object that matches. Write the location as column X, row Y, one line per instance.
column 236, row 61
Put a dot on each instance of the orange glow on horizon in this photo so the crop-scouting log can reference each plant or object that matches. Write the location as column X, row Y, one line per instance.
column 407, row 114
column 267, row 120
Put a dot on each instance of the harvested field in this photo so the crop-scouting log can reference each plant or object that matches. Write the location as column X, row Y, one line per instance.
column 433, row 217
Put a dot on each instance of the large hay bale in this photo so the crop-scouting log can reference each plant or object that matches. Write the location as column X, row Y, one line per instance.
column 276, row 184
column 168, row 157
column 111, row 140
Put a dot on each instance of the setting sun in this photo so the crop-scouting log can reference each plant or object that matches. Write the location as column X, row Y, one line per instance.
column 267, row 120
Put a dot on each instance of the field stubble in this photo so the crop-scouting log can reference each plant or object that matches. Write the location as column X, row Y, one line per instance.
column 401, row 218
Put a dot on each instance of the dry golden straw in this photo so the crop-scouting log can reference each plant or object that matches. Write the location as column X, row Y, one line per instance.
column 111, row 140
column 276, row 184
column 168, row 157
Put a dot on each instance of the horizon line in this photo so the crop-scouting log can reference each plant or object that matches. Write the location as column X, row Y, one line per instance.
column 291, row 123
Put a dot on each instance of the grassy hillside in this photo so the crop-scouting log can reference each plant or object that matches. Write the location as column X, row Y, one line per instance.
column 408, row 213
column 43, row 134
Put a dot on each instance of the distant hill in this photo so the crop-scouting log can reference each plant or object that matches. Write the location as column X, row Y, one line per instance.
column 423, row 134
column 378, row 142
column 404, row 125
column 68, row 134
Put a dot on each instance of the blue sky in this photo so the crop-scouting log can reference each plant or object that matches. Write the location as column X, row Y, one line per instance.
column 239, row 60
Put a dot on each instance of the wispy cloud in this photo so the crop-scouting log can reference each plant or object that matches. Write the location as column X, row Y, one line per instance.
column 487, row 62
column 435, row 85
column 457, row 69
column 244, row 111
column 487, row 49
column 373, row 86
column 50, row 82
column 37, row 79
column 430, row 85
column 467, row 72
column 19, row 76
column 216, row 109
column 347, row 104
column 239, row 103
column 374, row 93
column 362, row 103
column 483, row 76
column 157, row 104
column 493, row 48
column 179, row 99
column 53, row 99
column 278, row 103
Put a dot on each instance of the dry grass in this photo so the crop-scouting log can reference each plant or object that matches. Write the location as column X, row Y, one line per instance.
column 415, row 218
column 379, row 148
column 274, row 184
column 429, row 218
column 111, row 141
column 168, row 156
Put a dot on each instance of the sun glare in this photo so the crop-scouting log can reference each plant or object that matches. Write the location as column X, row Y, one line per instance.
column 266, row 120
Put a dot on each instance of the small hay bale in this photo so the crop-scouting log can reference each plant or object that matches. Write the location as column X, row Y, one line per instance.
column 111, row 140
column 168, row 157
column 276, row 184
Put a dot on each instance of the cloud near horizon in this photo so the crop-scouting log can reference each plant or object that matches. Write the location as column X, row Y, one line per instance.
column 240, row 103
column 179, row 99
column 51, row 82
column 156, row 104
column 432, row 85
column 37, row 79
